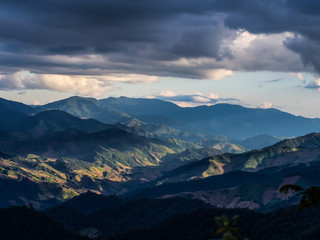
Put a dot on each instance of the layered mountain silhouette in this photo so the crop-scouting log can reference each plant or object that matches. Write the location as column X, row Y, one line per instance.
column 57, row 151
column 230, row 120
column 23, row 122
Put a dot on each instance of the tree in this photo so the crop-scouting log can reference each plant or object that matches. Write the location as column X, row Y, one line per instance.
column 228, row 227
column 310, row 196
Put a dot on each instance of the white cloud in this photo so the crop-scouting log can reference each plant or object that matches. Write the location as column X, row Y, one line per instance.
column 300, row 76
column 36, row 103
column 266, row 105
column 79, row 84
column 217, row 74
column 185, row 104
column 167, row 93
column 315, row 84
column 201, row 99
column 199, row 93
column 263, row 52
column 84, row 85
column 129, row 78
column 192, row 100
column 213, row 96
column 243, row 40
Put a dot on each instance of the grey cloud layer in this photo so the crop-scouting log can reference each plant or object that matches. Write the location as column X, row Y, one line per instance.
column 152, row 37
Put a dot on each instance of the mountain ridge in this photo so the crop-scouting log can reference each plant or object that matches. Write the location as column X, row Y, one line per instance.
column 281, row 153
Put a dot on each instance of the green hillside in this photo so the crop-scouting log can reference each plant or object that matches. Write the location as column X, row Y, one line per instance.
column 64, row 164
column 296, row 150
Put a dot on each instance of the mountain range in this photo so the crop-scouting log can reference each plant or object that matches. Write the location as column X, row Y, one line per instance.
column 159, row 160
column 230, row 120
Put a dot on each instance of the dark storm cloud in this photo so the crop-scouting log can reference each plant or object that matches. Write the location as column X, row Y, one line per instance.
column 153, row 37
column 276, row 16
column 308, row 49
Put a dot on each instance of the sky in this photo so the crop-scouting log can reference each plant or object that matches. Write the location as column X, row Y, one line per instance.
column 255, row 53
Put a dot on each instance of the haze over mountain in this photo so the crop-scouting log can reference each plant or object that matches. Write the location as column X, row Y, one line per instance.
column 231, row 120
column 21, row 123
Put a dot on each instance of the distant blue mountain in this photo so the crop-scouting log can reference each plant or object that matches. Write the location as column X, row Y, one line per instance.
column 88, row 108
column 231, row 120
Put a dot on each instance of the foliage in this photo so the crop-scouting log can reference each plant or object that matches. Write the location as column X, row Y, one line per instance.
column 283, row 224
column 112, row 216
column 170, row 219
column 310, row 196
column 227, row 227
column 73, row 162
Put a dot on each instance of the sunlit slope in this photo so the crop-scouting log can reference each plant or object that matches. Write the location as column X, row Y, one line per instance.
column 290, row 151
column 64, row 164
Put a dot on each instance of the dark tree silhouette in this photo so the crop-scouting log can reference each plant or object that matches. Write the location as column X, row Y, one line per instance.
column 310, row 196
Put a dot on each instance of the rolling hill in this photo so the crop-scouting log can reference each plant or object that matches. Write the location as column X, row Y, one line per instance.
column 240, row 189
column 251, row 180
column 296, row 150
column 55, row 167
